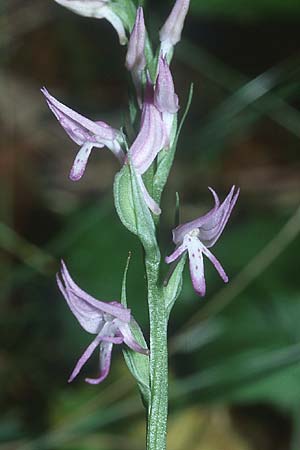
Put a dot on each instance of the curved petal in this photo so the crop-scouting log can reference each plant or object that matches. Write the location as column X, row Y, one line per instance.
column 215, row 262
column 151, row 138
column 177, row 253
column 152, row 205
column 196, row 265
column 80, row 162
column 180, row 231
column 135, row 57
column 170, row 33
column 212, row 228
column 129, row 339
column 85, row 356
column 86, row 308
column 105, row 359
column 165, row 98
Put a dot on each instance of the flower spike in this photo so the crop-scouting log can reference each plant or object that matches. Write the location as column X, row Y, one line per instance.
column 98, row 9
column 86, row 133
column 109, row 321
column 170, row 33
column 197, row 236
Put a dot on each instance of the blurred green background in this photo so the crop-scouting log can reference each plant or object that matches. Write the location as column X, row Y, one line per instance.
column 234, row 356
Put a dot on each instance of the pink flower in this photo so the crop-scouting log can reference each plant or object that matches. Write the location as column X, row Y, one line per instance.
column 110, row 322
column 197, row 236
column 151, row 138
column 165, row 98
column 86, row 133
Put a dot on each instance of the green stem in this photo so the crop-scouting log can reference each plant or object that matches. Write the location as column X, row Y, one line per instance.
column 158, row 405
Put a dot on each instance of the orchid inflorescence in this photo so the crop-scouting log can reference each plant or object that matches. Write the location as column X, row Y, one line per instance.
column 137, row 201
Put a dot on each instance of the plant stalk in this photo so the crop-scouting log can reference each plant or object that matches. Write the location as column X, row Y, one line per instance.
column 158, row 405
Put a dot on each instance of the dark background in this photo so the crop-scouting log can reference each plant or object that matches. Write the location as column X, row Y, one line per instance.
column 234, row 356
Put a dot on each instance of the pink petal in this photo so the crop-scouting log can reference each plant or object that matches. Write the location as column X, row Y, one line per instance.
column 152, row 205
column 196, row 265
column 80, row 162
column 182, row 230
column 215, row 262
column 84, row 304
column 105, row 359
column 212, row 228
column 151, row 138
column 129, row 339
column 85, row 356
column 135, row 57
column 170, row 33
column 177, row 253
column 165, row 98
column 86, row 127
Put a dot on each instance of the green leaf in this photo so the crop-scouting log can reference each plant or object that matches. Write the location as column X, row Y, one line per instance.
column 133, row 211
column 173, row 288
column 124, row 200
column 126, row 10
column 137, row 363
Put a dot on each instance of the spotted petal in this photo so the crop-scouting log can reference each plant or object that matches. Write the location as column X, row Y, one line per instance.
column 196, row 264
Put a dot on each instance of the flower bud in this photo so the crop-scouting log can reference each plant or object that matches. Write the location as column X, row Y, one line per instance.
column 170, row 33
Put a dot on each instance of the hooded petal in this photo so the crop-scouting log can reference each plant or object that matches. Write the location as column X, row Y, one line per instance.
column 105, row 359
column 152, row 136
column 196, row 265
column 98, row 9
column 180, row 231
column 212, row 227
column 135, row 57
column 170, row 33
column 82, row 130
column 165, row 98
column 90, row 313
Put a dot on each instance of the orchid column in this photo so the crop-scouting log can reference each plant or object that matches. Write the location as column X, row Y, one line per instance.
column 145, row 165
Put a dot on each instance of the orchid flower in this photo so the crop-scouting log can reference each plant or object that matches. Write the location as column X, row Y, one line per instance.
column 170, row 32
column 99, row 9
column 165, row 98
column 197, row 236
column 135, row 57
column 110, row 322
column 86, row 133
column 151, row 138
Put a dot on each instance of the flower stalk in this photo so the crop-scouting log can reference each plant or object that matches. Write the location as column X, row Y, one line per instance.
column 146, row 161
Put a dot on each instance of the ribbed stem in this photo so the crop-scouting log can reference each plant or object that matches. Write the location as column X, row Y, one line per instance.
column 158, row 405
